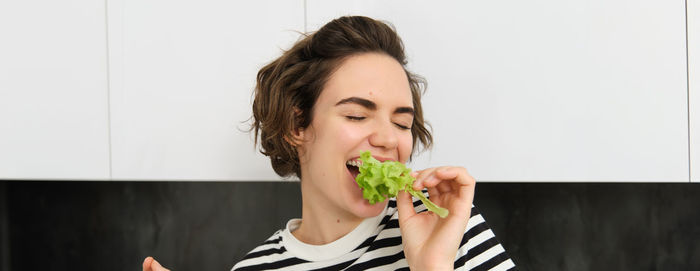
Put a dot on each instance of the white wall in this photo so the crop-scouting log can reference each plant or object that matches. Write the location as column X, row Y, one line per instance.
column 537, row 91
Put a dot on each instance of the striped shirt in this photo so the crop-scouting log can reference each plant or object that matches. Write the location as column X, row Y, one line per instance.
column 373, row 245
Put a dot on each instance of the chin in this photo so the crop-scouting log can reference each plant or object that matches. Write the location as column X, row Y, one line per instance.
column 367, row 210
column 359, row 206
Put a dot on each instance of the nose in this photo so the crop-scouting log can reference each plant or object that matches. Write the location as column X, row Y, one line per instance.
column 384, row 136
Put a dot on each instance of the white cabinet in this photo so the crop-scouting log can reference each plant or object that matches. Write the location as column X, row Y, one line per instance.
column 549, row 90
column 53, row 90
column 182, row 77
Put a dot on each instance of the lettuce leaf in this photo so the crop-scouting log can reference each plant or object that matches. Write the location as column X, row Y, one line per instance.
column 380, row 180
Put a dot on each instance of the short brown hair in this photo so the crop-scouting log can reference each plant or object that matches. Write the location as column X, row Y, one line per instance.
column 289, row 86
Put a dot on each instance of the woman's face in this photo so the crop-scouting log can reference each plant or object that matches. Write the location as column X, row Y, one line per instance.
column 366, row 105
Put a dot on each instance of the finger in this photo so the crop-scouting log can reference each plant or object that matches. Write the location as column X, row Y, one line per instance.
column 459, row 174
column 448, row 185
column 433, row 179
column 448, row 179
column 434, row 196
column 418, row 185
column 157, row 267
column 415, row 173
column 147, row 263
column 462, row 183
column 404, row 202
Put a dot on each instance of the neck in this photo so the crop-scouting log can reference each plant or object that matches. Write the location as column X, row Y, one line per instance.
column 321, row 221
column 318, row 229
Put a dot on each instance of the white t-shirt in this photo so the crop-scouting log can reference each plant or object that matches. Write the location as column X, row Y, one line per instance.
column 373, row 245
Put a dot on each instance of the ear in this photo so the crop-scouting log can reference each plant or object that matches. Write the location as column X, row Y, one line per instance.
column 297, row 137
column 297, row 132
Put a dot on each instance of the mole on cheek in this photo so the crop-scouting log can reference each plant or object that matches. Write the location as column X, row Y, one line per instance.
column 338, row 221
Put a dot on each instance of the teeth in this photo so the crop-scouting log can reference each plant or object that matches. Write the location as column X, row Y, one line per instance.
column 355, row 163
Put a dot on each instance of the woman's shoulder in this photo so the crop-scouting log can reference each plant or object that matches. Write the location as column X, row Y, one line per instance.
column 270, row 249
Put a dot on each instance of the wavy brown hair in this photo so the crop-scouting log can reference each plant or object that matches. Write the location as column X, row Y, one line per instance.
column 289, row 86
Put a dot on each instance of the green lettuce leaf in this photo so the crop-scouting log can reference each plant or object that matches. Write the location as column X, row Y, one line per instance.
column 382, row 180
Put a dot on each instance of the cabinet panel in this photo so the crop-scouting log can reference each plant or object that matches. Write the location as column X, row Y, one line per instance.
column 53, row 90
column 546, row 90
column 693, row 13
column 183, row 75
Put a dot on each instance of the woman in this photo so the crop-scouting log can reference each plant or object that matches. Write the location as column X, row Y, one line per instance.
column 337, row 92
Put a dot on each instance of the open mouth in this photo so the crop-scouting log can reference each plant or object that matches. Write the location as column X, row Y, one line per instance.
column 354, row 167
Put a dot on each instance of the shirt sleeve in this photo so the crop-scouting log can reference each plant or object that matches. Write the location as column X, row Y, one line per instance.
column 479, row 249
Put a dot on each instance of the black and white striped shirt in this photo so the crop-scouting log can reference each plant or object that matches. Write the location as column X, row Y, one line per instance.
column 373, row 245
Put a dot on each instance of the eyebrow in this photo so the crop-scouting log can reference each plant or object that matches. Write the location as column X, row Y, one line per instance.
column 372, row 106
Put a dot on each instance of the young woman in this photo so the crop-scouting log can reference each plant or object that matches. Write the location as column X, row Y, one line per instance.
column 337, row 92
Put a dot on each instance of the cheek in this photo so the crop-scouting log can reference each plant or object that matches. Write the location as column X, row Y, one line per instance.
column 348, row 135
column 405, row 146
column 336, row 136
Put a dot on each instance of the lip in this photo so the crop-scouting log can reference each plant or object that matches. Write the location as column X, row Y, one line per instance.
column 353, row 183
column 379, row 158
column 357, row 158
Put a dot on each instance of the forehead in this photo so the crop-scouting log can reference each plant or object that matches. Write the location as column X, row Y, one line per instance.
column 374, row 76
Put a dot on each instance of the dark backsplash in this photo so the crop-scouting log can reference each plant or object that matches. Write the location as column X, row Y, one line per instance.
column 80, row 225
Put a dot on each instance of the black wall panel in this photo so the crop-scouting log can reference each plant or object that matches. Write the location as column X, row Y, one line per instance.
column 62, row 225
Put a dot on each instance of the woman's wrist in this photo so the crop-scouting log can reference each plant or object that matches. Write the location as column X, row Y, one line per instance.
column 432, row 267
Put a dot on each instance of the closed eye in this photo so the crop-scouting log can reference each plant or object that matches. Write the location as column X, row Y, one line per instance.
column 403, row 127
column 355, row 118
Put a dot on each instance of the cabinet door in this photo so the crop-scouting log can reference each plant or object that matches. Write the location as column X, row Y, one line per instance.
column 53, row 90
column 546, row 90
column 182, row 77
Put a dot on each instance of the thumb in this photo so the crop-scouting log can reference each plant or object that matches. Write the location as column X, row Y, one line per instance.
column 150, row 264
column 404, row 202
column 157, row 267
column 147, row 264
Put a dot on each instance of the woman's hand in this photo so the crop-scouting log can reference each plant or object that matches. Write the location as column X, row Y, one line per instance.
column 431, row 242
column 150, row 264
